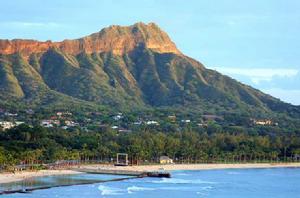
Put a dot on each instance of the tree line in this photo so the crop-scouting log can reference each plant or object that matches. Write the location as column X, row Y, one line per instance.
column 36, row 145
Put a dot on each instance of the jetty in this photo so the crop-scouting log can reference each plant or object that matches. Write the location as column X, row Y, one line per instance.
column 30, row 189
column 138, row 174
column 109, row 172
column 128, row 174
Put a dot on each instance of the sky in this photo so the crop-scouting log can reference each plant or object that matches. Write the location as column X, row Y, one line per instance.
column 256, row 42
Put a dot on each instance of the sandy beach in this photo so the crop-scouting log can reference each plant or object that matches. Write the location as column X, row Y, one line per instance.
column 18, row 176
column 12, row 177
column 172, row 167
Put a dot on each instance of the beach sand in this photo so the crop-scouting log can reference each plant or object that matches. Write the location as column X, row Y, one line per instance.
column 18, row 176
column 12, row 177
column 170, row 167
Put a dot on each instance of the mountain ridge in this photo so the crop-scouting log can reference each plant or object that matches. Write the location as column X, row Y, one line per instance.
column 115, row 39
column 124, row 66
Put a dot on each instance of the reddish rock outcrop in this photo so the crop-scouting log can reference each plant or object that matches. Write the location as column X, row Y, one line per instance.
column 116, row 39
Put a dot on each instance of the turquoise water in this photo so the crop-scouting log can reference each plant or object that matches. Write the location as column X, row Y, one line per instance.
column 56, row 180
column 235, row 183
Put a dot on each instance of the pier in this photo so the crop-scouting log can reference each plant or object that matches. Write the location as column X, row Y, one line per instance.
column 138, row 174
column 110, row 172
column 30, row 189
column 126, row 173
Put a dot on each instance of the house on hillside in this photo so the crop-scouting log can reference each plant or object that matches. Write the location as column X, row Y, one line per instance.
column 10, row 114
column 152, row 122
column 119, row 116
column 71, row 123
column 8, row 125
column 124, row 130
column 50, row 123
column 165, row 160
column 137, row 123
column 62, row 114
column 172, row 118
column 46, row 123
column 186, row 121
column 264, row 122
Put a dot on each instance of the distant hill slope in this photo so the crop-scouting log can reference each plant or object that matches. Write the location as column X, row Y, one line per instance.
column 134, row 66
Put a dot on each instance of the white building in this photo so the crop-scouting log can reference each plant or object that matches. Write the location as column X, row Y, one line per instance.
column 119, row 116
column 50, row 123
column 8, row 125
column 46, row 123
column 151, row 122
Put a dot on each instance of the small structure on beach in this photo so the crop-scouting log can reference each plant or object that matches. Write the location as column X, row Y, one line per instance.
column 122, row 159
column 165, row 160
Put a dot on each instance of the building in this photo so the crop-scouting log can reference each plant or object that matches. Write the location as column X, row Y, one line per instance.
column 119, row 116
column 151, row 122
column 114, row 127
column 124, row 131
column 165, row 160
column 8, row 125
column 50, row 123
column 264, row 122
column 186, row 121
column 202, row 124
column 10, row 114
column 46, row 123
column 71, row 123
column 172, row 118
column 61, row 114
column 137, row 123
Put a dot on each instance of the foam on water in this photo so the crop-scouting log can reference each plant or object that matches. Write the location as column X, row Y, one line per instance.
column 182, row 181
column 207, row 188
column 233, row 173
column 204, row 191
column 205, row 184
column 105, row 190
column 132, row 189
column 182, row 174
column 175, row 188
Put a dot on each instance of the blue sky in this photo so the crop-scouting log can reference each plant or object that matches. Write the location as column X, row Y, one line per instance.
column 256, row 42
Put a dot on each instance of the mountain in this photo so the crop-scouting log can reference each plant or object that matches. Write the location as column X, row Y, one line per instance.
column 124, row 67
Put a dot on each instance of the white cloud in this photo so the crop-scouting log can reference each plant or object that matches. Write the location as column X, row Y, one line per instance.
column 257, row 75
column 279, row 82
column 290, row 96
column 24, row 24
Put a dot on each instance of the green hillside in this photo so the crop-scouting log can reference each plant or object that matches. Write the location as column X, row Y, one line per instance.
column 143, row 77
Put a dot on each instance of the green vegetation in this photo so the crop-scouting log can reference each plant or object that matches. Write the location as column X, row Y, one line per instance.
column 40, row 145
column 217, row 118
column 141, row 79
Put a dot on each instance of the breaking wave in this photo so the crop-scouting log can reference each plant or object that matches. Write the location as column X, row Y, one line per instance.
column 105, row 190
column 132, row 189
column 182, row 181
column 233, row 173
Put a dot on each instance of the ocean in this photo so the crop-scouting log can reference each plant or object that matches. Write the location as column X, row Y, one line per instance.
column 226, row 183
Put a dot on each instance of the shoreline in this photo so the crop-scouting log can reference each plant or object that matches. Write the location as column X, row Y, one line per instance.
column 22, row 175
column 177, row 167
column 19, row 176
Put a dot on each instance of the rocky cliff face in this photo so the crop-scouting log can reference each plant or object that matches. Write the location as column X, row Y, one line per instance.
column 116, row 39
column 119, row 66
